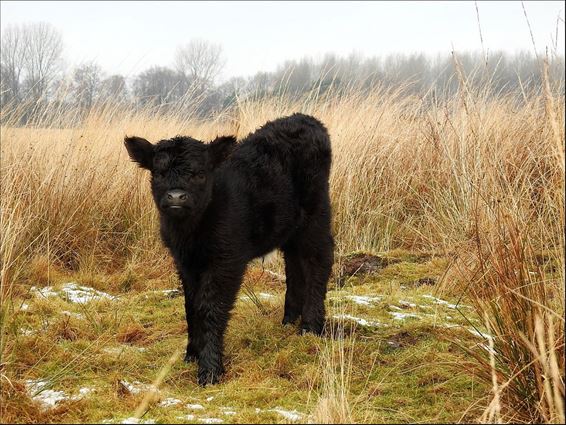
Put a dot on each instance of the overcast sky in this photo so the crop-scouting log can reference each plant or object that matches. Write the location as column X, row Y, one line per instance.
column 128, row 37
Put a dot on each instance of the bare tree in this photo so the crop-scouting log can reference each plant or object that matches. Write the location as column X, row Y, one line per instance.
column 159, row 86
column 87, row 84
column 200, row 62
column 259, row 84
column 114, row 89
column 12, row 63
column 227, row 93
column 43, row 48
column 293, row 77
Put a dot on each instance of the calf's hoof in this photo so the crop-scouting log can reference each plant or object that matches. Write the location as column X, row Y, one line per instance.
column 190, row 358
column 314, row 328
column 209, row 376
column 289, row 319
column 191, row 355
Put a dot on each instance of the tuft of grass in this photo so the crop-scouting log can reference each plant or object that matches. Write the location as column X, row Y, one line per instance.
column 512, row 269
column 523, row 309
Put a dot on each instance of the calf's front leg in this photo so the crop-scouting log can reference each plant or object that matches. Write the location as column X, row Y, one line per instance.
column 194, row 340
column 193, row 337
column 213, row 303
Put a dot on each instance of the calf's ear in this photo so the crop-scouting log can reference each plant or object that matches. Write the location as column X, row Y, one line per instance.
column 221, row 148
column 140, row 151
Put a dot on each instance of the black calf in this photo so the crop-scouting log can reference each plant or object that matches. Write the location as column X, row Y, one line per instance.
column 224, row 203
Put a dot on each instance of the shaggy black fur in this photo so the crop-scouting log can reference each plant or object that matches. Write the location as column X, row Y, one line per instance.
column 224, row 203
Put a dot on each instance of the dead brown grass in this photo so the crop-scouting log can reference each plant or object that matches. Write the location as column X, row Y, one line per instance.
column 478, row 177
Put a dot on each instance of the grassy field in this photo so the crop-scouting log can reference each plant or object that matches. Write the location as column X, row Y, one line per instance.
column 386, row 331
column 463, row 320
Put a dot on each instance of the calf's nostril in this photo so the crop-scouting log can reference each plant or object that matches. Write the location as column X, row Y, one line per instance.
column 177, row 197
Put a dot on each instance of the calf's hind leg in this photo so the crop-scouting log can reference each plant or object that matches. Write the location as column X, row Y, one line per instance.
column 295, row 280
column 317, row 265
column 308, row 264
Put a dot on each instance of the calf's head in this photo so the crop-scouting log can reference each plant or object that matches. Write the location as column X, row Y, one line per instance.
column 182, row 171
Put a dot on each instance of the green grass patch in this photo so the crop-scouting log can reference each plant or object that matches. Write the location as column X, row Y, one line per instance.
column 403, row 364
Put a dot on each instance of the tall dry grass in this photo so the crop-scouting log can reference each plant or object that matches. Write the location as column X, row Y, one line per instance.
column 512, row 269
column 477, row 176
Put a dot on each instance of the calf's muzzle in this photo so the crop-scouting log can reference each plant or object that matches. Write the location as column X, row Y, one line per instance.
column 175, row 199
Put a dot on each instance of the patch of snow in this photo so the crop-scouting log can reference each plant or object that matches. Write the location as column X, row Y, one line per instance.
column 83, row 294
column 261, row 295
column 211, row 420
column 442, row 302
column 186, row 418
column 73, row 293
column 24, row 307
column 71, row 314
column 48, row 398
column 133, row 389
column 484, row 335
column 51, row 397
column 275, row 275
column 228, row 412
column 488, row 349
column 394, row 307
column 26, row 332
column 290, row 415
column 83, row 392
column 257, row 410
column 404, row 303
column 402, row 316
column 358, row 320
column 44, row 292
column 121, row 349
column 137, row 387
column 195, row 406
column 171, row 293
column 169, row 401
column 210, row 398
column 363, row 300
column 36, row 385
column 133, row 420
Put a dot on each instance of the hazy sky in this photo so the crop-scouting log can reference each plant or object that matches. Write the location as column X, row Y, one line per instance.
column 128, row 37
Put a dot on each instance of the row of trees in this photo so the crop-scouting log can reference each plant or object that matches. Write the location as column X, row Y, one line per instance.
column 30, row 57
column 32, row 71
column 197, row 66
